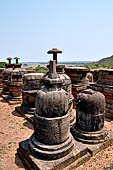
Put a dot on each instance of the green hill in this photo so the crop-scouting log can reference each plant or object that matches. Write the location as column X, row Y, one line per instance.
column 103, row 63
column 107, row 60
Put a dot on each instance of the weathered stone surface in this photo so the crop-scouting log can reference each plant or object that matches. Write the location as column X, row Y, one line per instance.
column 94, row 149
column 5, row 78
column 1, row 72
column 31, row 85
column 105, row 86
column 89, row 77
column 89, row 127
column 51, row 140
column 71, row 161
column 67, row 85
column 95, row 73
column 54, row 130
column 16, row 82
column 57, row 99
column 76, row 73
column 90, row 110
column 54, row 51
column 31, row 81
column 79, row 82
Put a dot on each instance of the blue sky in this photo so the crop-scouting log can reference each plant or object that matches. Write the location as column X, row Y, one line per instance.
column 82, row 29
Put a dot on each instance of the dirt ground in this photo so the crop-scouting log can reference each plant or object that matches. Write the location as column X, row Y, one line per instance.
column 14, row 129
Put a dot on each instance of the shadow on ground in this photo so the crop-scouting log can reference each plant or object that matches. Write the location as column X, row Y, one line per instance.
column 18, row 161
column 16, row 114
column 28, row 125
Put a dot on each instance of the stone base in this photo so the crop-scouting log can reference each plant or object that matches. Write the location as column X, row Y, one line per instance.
column 27, row 110
column 75, row 158
column 4, row 92
column 94, row 149
column 28, row 117
column 12, row 100
column 89, row 137
column 80, row 154
column 97, row 147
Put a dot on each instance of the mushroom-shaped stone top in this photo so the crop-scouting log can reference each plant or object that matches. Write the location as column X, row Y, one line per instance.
column 9, row 59
column 54, row 50
column 16, row 58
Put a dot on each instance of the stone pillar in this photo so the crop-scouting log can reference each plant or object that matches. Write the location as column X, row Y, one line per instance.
column 17, row 64
column 16, row 58
column 9, row 60
column 89, row 127
column 67, row 85
column 52, row 70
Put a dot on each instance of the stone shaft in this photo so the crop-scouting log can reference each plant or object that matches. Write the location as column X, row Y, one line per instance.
column 52, row 70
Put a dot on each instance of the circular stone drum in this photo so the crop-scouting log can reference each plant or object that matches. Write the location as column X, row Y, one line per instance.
column 51, row 139
column 89, row 127
column 31, row 84
column 5, row 79
column 1, row 72
column 16, row 82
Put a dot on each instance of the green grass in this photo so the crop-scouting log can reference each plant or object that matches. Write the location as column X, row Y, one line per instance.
column 38, row 69
column 41, row 69
column 2, row 64
column 29, row 68
column 95, row 66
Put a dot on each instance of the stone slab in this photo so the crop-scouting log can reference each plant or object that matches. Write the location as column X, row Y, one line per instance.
column 28, row 117
column 75, row 158
column 94, row 149
column 11, row 101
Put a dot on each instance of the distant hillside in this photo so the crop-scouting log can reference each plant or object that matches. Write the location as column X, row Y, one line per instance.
column 107, row 60
column 103, row 63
